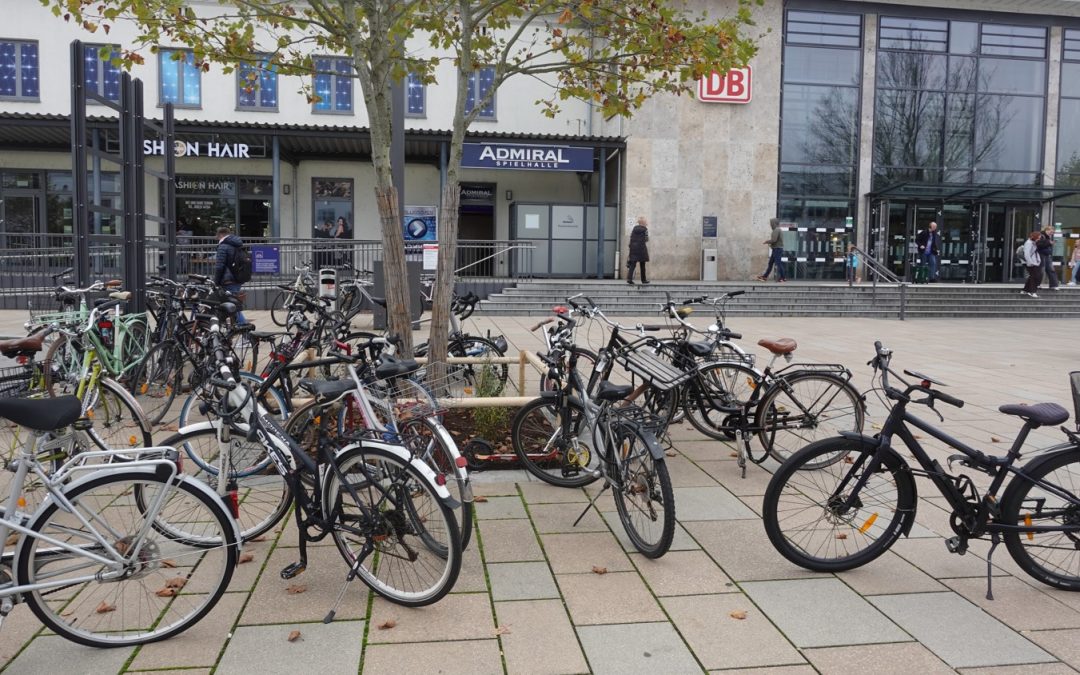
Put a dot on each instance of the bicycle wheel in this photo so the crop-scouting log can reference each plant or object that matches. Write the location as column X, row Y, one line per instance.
column 391, row 516
column 279, row 309
column 466, row 379
column 585, row 364
column 429, row 441
column 118, row 420
column 1037, row 498
column 159, row 587
column 63, row 366
column 804, row 408
column 262, row 495
column 135, row 347
column 156, row 382
column 714, row 399
column 273, row 400
column 804, row 511
column 564, row 459
column 643, row 498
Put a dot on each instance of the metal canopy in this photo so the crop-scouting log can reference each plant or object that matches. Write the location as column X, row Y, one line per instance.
column 976, row 193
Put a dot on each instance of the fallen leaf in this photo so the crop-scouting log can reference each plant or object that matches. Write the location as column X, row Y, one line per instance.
column 995, row 439
column 166, row 592
column 501, row 630
column 734, row 454
column 737, row 614
column 261, row 537
column 917, row 436
column 848, row 459
column 11, row 540
column 841, row 535
column 599, row 570
column 245, row 558
column 122, row 547
column 168, row 562
column 387, row 625
column 875, row 425
column 670, row 453
column 479, row 499
column 296, row 588
column 105, row 608
column 175, row 582
column 294, row 636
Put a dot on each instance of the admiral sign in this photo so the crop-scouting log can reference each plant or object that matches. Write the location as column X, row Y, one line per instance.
column 733, row 87
column 527, row 157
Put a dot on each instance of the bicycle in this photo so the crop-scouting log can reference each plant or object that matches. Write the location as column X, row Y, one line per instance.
column 572, row 436
column 829, row 515
column 94, row 566
column 283, row 301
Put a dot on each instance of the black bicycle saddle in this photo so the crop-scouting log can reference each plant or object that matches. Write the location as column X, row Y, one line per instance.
column 41, row 414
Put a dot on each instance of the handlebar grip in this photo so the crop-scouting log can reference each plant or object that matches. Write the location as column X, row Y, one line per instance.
column 733, row 335
column 542, row 323
column 877, row 346
column 951, row 400
column 652, row 327
column 735, row 294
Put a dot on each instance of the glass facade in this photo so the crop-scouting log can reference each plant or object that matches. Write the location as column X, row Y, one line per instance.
column 101, row 75
column 819, row 140
column 256, row 86
column 204, row 203
column 181, row 79
column 414, row 96
column 333, row 86
column 19, row 70
column 479, row 84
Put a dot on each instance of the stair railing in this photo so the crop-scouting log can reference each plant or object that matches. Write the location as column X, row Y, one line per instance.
column 878, row 270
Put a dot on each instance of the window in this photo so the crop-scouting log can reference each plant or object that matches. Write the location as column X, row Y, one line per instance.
column 1023, row 41
column 333, row 86
column 102, row 76
column 414, row 96
column 19, row 70
column 256, row 86
column 181, row 79
column 819, row 28
column 480, row 83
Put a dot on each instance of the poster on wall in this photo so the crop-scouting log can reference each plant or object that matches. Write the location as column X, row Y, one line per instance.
column 421, row 223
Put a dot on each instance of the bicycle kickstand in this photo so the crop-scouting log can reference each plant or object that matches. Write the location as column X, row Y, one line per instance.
column 354, row 569
column 744, row 450
column 995, row 539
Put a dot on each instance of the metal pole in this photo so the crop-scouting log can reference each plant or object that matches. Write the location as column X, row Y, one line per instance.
column 170, row 195
column 275, row 201
column 600, row 203
column 80, row 221
column 903, row 300
column 127, row 176
column 138, row 219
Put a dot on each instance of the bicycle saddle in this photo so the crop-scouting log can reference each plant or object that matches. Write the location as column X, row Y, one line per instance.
column 609, row 391
column 1040, row 414
column 244, row 328
column 391, row 367
column 381, row 302
column 779, row 345
column 41, row 414
column 700, row 348
column 24, row 346
column 325, row 389
column 265, row 334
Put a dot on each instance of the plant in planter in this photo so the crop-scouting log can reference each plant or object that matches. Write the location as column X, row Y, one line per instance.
column 486, row 430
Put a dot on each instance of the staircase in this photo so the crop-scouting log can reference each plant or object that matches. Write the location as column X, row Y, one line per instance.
column 617, row 298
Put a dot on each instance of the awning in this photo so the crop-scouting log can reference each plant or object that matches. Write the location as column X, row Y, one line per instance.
column 975, row 193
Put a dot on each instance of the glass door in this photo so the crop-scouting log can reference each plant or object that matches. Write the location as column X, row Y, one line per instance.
column 898, row 239
column 996, row 238
column 957, row 242
column 1022, row 221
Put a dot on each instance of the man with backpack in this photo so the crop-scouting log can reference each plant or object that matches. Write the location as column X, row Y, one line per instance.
column 233, row 268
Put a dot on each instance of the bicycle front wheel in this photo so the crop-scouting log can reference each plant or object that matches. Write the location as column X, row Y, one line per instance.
column 644, row 497
column 386, row 513
column 279, row 309
column 805, row 408
column 155, row 587
column 429, row 440
column 556, row 451
column 813, row 519
column 714, row 399
column 118, row 421
column 1037, row 499
column 157, row 380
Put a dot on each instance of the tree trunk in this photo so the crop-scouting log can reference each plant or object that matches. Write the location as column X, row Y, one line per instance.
column 438, row 339
column 395, row 272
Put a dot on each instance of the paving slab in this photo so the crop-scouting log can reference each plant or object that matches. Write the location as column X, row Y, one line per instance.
column 536, row 625
column 692, row 445
column 471, row 577
column 898, row 658
column 807, row 610
column 492, row 484
column 931, row 556
column 743, row 550
column 680, row 541
column 683, row 573
column 721, row 641
column 272, row 602
column 580, row 552
column 554, row 518
column 957, row 631
column 521, row 581
column 509, row 541
column 775, row 670
column 631, row 649
column 544, row 493
column 499, row 508
column 1064, row 644
column 467, row 657
column 54, row 654
column 708, row 503
column 1017, row 604
column 458, row 616
column 1034, row 669
column 685, row 473
column 335, row 647
column 727, row 473
column 199, row 645
column 19, row 627
column 179, row 671
column 889, row 574
column 615, row 597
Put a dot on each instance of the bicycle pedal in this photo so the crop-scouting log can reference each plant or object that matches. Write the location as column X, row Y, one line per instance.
column 292, row 571
column 955, row 545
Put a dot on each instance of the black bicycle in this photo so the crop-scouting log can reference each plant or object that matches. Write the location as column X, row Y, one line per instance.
column 841, row 502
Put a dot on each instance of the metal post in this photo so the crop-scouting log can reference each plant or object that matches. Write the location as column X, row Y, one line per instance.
column 127, row 177
column 444, row 158
column 170, row 194
column 903, row 300
column 600, row 204
column 275, row 201
column 80, row 219
column 136, row 266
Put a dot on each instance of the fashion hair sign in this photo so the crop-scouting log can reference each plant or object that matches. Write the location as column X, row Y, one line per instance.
column 733, row 87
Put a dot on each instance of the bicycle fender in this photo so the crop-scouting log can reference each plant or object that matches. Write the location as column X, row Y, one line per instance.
column 654, row 445
column 405, row 456
column 461, row 472
column 198, row 426
column 905, row 471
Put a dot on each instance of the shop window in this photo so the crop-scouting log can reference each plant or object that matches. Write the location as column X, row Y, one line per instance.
column 101, row 74
column 333, row 86
column 243, row 203
column 256, row 86
column 19, row 70
column 480, row 83
column 332, row 204
column 181, row 79
column 415, row 95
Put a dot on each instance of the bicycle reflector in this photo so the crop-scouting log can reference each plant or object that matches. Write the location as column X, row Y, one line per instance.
column 559, row 309
column 926, row 384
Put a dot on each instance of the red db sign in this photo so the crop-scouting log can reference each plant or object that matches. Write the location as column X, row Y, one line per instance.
column 734, row 87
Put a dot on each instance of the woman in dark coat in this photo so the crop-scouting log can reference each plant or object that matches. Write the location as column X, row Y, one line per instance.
column 639, row 250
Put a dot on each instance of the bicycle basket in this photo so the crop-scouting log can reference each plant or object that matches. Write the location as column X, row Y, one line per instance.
column 403, row 398
column 648, row 367
column 641, row 417
column 1074, row 380
column 15, row 381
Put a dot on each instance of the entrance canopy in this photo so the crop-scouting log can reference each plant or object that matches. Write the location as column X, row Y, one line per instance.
column 978, row 193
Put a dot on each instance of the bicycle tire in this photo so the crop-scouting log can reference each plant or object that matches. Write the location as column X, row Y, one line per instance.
column 63, row 362
column 587, row 355
column 157, row 380
column 118, row 420
column 413, row 519
column 273, row 400
column 833, row 405
column 432, row 444
column 536, row 434
column 161, row 560
column 468, row 374
column 644, row 482
column 279, row 308
column 135, row 347
column 796, row 495
column 1024, row 502
column 715, row 397
column 263, row 496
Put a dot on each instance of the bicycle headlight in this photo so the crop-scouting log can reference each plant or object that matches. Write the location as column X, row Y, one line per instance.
column 684, row 312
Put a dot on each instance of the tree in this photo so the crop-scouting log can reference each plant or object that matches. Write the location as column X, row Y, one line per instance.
column 613, row 53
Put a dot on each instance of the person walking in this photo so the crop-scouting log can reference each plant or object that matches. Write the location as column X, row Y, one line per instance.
column 1046, row 254
column 851, row 266
column 228, row 247
column 776, row 253
column 1032, row 264
column 1074, row 263
column 639, row 251
column 929, row 243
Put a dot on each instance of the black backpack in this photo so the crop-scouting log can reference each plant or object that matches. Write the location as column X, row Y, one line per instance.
column 241, row 265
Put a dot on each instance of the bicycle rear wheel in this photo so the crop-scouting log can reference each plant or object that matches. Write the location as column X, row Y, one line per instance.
column 118, row 420
column 162, row 586
column 564, row 459
column 391, row 516
column 813, row 406
column 644, row 499
column 279, row 309
column 1035, row 498
column 157, row 380
column 715, row 398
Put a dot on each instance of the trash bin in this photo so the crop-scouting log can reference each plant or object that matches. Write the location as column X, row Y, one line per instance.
column 328, row 283
column 708, row 264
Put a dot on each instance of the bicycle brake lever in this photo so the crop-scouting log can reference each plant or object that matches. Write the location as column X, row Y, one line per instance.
column 930, row 404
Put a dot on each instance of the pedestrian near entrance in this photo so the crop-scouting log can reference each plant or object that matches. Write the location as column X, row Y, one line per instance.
column 929, row 243
column 851, row 265
column 227, row 249
column 776, row 252
column 639, row 250
column 1074, row 263
column 1032, row 264
column 1046, row 255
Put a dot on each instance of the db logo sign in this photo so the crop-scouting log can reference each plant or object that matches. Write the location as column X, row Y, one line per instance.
column 731, row 88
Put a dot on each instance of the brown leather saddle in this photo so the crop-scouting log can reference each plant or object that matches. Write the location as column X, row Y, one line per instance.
column 25, row 346
column 778, row 346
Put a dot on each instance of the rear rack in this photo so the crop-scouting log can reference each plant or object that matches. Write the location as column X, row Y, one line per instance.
column 659, row 374
column 830, row 368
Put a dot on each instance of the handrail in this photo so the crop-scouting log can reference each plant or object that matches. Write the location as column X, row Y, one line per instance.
column 524, row 247
column 879, row 269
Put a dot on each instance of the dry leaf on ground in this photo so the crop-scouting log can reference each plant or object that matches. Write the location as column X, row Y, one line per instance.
column 246, row 558
column 168, row 562
column 294, row 636
column 261, row 537
column 734, row 454
column 841, row 535
column 501, row 630
column 737, row 614
column 11, row 540
column 296, row 588
column 480, row 499
column 995, row 439
column 670, row 453
column 165, row 592
column 599, row 570
column 175, row 582
column 105, row 608
column 387, row 625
